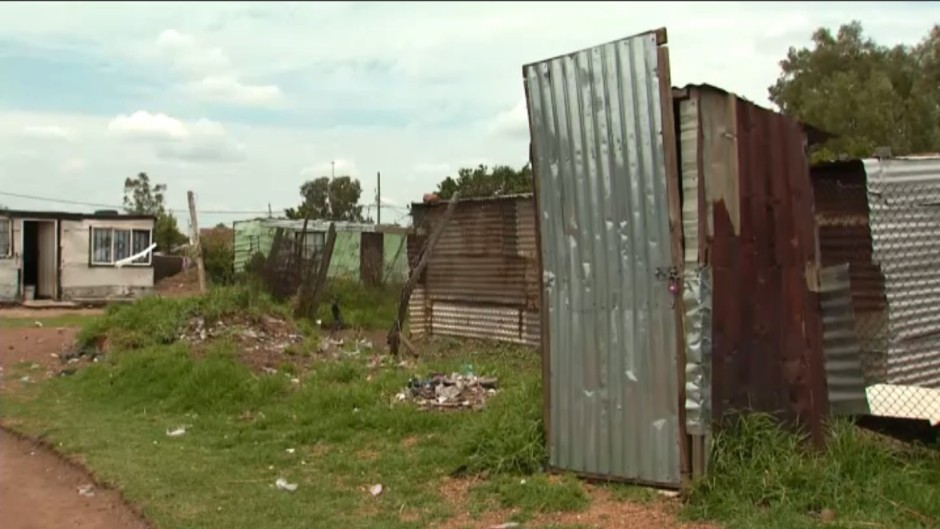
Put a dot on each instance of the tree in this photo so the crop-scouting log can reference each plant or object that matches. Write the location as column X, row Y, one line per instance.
column 866, row 94
column 484, row 182
column 142, row 199
column 329, row 200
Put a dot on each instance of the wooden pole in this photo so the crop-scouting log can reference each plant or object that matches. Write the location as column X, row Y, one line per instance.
column 394, row 334
column 311, row 291
column 197, row 248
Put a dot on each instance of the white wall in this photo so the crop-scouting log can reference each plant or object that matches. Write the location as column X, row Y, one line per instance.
column 81, row 281
column 9, row 268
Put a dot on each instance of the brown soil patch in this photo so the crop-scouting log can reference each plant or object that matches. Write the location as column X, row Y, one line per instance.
column 367, row 455
column 408, row 442
column 40, row 314
column 604, row 512
column 42, row 352
column 181, row 285
column 38, row 489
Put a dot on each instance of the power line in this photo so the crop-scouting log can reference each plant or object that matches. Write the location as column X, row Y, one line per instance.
column 203, row 212
column 112, row 206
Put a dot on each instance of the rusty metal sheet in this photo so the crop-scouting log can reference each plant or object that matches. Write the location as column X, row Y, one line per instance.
column 484, row 264
column 597, row 129
column 904, row 202
column 767, row 352
column 845, row 379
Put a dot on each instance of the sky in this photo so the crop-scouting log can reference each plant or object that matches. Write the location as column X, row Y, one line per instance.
column 241, row 102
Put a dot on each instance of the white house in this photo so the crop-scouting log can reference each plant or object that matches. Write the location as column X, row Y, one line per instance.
column 71, row 256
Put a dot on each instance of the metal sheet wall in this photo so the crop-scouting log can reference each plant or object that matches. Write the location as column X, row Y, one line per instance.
column 845, row 380
column 767, row 352
column 482, row 279
column 597, row 127
column 904, row 199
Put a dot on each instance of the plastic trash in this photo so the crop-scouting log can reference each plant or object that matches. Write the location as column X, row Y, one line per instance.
column 87, row 490
column 507, row 525
column 177, row 432
column 290, row 450
column 376, row 489
column 282, row 484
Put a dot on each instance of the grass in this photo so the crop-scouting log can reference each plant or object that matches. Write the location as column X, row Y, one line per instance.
column 762, row 476
column 67, row 320
column 342, row 422
column 364, row 307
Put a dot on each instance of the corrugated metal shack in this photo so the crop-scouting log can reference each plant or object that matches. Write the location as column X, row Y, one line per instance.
column 881, row 218
column 671, row 297
column 372, row 253
column 482, row 279
column 750, row 233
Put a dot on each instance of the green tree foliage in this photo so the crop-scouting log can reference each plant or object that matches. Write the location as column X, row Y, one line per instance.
column 343, row 193
column 218, row 254
column 140, row 198
column 867, row 94
column 482, row 181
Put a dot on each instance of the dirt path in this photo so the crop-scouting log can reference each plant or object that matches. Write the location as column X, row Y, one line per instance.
column 38, row 490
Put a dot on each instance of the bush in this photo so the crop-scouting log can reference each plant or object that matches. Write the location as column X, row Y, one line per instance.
column 153, row 321
column 218, row 255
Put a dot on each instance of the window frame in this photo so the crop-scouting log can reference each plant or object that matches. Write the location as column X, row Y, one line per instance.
column 110, row 264
column 310, row 251
column 7, row 253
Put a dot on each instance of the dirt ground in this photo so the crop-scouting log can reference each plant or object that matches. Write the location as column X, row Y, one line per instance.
column 40, row 314
column 34, row 352
column 604, row 512
column 181, row 285
column 38, row 490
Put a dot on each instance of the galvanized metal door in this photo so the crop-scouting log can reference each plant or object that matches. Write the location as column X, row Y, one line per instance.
column 596, row 119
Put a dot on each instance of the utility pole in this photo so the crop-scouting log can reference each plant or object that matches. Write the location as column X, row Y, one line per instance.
column 269, row 210
column 378, row 197
column 197, row 248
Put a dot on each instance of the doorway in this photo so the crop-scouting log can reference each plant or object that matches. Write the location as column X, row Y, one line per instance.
column 40, row 259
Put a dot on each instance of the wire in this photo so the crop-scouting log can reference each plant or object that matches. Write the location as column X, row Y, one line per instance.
column 112, row 206
column 202, row 212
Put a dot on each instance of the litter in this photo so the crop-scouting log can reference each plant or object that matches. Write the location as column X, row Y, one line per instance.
column 507, row 525
column 282, row 484
column 25, row 380
column 177, row 432
column 87, row 490
column 268, row 370
column 455, row 391
column 290, row 450
column 376, row 489
column 38, row 324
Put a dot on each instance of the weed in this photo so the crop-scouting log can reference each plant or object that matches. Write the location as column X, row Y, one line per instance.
column 362, row 306
column 153, row 321
column 509, row 438
column 761, row 475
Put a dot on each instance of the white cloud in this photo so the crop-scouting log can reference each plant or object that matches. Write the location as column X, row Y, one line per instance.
column 514, row 122
column 230, row 90
column 147, row 126
column 210, row 73
column 341, row 168
column 197, row 142
column 47, row 132
column 73, row 165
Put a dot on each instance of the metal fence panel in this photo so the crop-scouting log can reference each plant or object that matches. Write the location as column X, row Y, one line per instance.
column 597, row 133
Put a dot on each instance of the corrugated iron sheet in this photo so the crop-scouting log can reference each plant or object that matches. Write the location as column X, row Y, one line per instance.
column 841, row 204
column 482, row 279
column 903, row 197
column 697, row 295
column 844, row 377
column 767, row 351
column 597, row 133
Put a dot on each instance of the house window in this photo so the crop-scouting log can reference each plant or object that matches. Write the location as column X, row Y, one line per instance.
column 109, row 245
column 313, row 243
column 6, row 238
